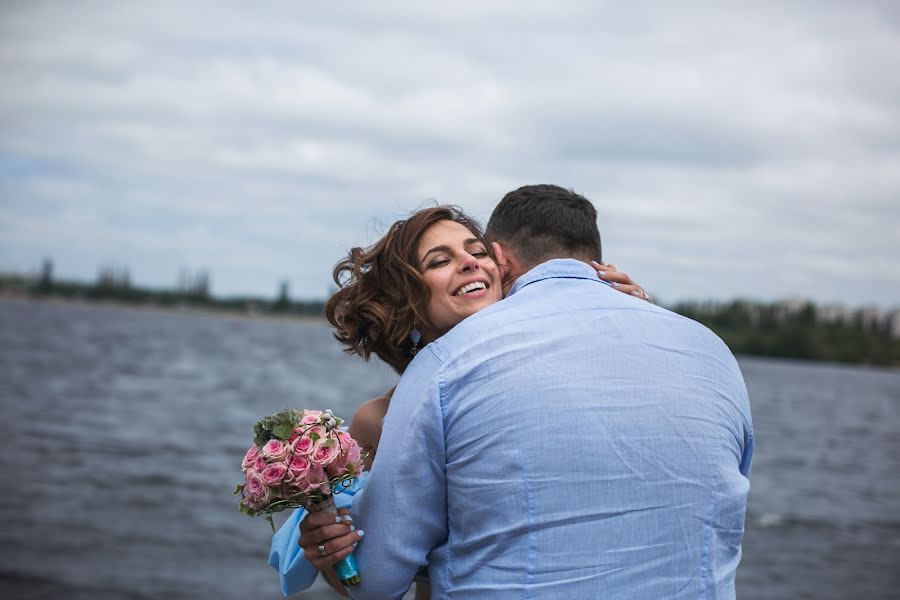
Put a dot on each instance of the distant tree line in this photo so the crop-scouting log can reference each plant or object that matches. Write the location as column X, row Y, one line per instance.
column 800, row 330
column 193, row 292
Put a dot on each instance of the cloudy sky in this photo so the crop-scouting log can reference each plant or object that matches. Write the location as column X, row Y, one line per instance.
column 732, row 149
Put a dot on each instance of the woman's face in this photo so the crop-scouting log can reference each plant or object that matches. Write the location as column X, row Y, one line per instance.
column 460, row 274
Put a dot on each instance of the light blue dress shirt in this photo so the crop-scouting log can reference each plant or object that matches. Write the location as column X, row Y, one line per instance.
column 568, row 442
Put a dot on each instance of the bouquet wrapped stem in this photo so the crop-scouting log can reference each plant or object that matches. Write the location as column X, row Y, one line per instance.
column 346, row 567
column 300, row 459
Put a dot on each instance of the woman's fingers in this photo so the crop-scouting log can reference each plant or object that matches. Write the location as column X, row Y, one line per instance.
column 318, row 520
column 620, row 281
column 625, row 288
column 334, row 557
column 609, row 273
column 328, row 552
column 638, row 292
column 633, row 290
column 322, row 534
column 327, row 538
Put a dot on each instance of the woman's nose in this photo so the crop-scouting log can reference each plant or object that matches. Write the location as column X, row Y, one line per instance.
column 468, row 262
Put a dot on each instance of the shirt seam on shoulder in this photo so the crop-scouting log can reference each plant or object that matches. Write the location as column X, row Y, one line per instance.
column 438, row 354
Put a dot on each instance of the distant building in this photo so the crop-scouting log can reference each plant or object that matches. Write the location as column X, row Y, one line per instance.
column 47, row 274
column 872, row 317
column 193, row 283
column 114, row 277
column 785, row 309
column 894, row 323
column 834, row 313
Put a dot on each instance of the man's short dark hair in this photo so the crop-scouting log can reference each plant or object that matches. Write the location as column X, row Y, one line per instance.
column 541, row 222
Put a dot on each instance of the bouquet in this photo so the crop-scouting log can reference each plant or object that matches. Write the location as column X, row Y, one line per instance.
column 300, row 458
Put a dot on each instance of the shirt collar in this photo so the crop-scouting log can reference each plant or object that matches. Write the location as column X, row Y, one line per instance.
column 557, row 267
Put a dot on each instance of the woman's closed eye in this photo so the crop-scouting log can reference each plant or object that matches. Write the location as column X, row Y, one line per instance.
column 437, row 262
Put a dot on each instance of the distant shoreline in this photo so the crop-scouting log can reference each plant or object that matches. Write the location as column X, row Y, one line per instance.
column 184, row 309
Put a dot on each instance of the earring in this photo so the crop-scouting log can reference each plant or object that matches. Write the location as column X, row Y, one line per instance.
column 415, row 336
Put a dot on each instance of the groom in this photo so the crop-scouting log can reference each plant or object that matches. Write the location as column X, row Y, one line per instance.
column 567, row 442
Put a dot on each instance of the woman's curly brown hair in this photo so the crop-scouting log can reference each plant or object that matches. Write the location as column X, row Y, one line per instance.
column 381, row 293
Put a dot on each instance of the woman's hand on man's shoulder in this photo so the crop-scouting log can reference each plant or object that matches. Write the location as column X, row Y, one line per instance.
column 620, row 280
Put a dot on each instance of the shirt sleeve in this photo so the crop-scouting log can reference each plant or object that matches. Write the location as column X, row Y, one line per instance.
column 403, row 509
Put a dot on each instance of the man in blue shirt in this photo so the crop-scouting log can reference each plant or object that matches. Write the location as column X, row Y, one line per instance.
column 567, row 442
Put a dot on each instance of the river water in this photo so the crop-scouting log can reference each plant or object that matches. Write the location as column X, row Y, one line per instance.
column 122, row 432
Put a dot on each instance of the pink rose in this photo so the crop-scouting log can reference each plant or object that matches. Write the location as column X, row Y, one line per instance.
column 316, row 480
column 349, row 448
column 249, row 458
column 256, row 503
column 347, row 462
column 259, row 462
column 354, row 454
column 316, row 433
column 325, row 452
column 311, row 416
column 299, row 465
column 274, row 473
column 303, row 445
column 337, row 467
column 274, row 450
column 253, row 484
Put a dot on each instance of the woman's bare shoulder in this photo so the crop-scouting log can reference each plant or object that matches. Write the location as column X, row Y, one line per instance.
column 370, row 412
column 365, row 426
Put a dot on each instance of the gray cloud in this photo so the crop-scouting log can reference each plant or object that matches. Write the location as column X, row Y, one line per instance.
column 750, row 150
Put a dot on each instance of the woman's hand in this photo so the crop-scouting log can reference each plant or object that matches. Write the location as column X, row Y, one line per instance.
column 620, row 281
column 326, row 539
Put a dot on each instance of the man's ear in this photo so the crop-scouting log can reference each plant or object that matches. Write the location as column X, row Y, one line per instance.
column 501, row 259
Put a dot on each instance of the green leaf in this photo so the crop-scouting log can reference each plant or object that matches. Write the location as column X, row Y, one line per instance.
column 239, row 489
column 283, row 431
